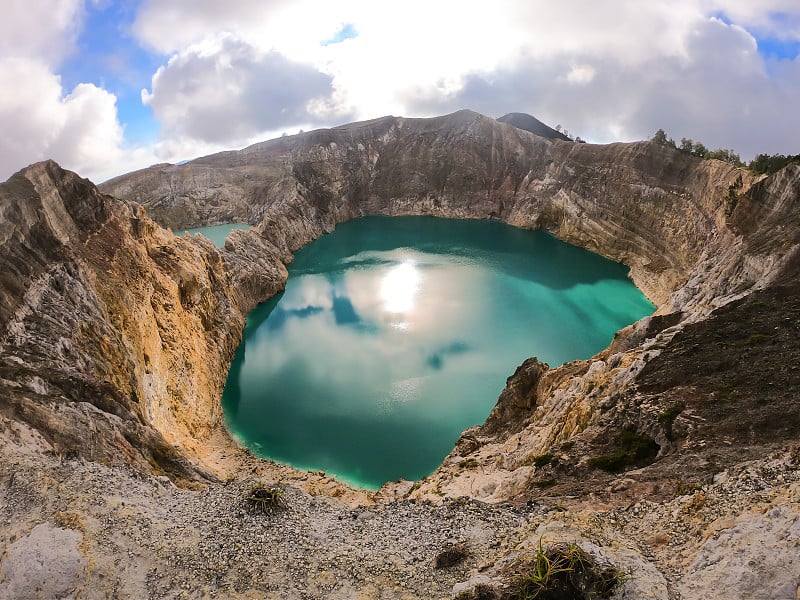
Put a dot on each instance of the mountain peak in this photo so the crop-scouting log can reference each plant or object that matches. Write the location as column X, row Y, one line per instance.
column 532, row 124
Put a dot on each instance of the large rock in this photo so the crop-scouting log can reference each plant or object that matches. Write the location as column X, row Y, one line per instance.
column 116, row 335
column 47, row 563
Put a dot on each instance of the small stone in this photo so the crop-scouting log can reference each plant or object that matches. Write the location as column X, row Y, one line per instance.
column 620, row 485
column 658, row 540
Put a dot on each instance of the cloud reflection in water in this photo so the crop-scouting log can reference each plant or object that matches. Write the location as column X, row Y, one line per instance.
column 371, row 363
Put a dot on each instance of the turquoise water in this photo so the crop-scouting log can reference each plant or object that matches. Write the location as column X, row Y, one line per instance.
column 216, row 233
column 395, row 334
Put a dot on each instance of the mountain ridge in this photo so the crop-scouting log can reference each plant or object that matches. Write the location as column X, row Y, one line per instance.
column 534, row 125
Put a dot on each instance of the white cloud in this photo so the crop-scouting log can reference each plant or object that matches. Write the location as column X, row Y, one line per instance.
column 775, row 18
column 245, row 70
column 42, row 29
column 41, row 120
column 79, row 130
column 717, row 90
column 226, row 91
column 172, row 25
column 607, row 70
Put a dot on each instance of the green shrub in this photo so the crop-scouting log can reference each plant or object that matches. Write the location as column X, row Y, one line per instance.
column 562, row 572
column 668, row 416
column 698, row 149
column 724, row 390
column 632, row 449
column 732, row 198
column 542, row 460
column 757, row 338
column 682, row 488
column 265, row 499
column 771, row 163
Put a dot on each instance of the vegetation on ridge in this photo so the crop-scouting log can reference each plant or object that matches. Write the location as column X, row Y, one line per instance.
column 561, row 571
column 631, row 449
column 762, row 164
column 697, row 149
column 768, row 164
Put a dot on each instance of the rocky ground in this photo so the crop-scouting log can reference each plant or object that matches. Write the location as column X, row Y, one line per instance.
column 77, row 529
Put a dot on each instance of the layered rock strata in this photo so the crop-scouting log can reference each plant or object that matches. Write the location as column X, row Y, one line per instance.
column 153, row 319
column 115, row 333
column 662, row 212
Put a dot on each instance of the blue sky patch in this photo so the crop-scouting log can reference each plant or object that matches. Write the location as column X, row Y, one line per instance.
column 770, row 47
column 347, row 32
column 779, row 49
column 108, row 56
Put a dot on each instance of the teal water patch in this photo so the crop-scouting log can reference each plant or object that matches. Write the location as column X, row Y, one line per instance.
column 394, row 334
column 215, row 233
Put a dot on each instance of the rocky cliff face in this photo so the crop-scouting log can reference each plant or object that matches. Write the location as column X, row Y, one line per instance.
column 117, row 335
column 662, row 212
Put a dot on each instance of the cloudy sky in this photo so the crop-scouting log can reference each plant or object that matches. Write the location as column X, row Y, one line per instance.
column 106, row 86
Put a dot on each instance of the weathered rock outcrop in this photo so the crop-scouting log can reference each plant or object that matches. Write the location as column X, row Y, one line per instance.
column 534, row 125
column 696, row 234
column 116, row 335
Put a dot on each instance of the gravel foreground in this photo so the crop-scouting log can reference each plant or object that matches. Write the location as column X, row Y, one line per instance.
column 76, row 529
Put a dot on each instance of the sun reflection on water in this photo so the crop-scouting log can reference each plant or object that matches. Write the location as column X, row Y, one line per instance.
column 399, row 288
column 377, row 356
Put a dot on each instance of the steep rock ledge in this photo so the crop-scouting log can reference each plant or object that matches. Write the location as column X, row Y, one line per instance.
column 162, row 314
column 660, row 211
column 710, row 389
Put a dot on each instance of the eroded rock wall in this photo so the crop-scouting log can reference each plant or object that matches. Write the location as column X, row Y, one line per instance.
column 660, row 211
column 116, row 335
column 696, row 234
